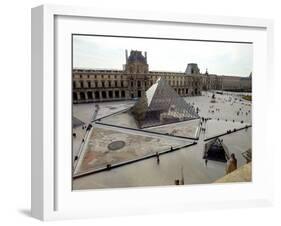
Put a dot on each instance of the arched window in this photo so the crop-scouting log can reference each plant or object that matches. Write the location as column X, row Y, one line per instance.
column 82, row 96
column 97, row 95
column 110, row 94
column 90, row 95
column 75, row 96
column 116, row 94
column 103, row 94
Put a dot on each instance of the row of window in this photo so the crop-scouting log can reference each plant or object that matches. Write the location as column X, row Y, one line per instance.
column 103, row 84
column 154, row 77
column 117, row 94
column 100, row 76
column 138, row 69
column 98, row 95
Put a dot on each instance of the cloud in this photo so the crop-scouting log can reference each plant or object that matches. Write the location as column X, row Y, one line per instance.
column 164, row 55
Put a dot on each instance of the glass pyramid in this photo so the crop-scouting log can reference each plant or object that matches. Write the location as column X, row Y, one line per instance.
column 161, row 105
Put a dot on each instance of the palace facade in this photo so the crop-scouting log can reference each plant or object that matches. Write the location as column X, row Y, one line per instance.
column 91, row 85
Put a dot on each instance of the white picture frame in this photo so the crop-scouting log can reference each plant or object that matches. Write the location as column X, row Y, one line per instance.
column 52, row 197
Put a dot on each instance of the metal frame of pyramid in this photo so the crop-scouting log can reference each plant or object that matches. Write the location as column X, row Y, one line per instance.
column 162, row 105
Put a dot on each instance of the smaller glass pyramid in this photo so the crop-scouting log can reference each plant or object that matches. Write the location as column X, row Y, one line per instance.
column 161, row 105
column 216, row 150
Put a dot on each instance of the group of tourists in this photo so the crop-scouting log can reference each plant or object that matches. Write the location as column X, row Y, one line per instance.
column 240, row 111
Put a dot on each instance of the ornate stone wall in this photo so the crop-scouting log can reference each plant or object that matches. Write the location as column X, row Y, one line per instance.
column 103, row 85
column 135, row 78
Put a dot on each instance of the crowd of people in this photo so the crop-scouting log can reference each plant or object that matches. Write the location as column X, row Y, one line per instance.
column 231, row 163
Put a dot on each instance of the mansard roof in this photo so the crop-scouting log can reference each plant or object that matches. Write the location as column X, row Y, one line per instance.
column 136, row 56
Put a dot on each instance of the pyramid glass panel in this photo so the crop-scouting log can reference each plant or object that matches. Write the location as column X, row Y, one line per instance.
column 161, row 105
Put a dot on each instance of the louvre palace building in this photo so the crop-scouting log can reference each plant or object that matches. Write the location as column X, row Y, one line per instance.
column 91, row 85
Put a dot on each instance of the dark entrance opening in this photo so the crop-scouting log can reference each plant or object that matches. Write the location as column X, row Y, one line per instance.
column 117, row 94
column 103, row 94
column 110, row 94
column 123, row 94
column 90, row 95
column 97, row 95
column 75, row 96
column 139, row 93
column 82, row 96
column 215, row 150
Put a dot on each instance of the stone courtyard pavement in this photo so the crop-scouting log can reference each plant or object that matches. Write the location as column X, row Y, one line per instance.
column 184, row 129
column 229, row 112
column 108, row 146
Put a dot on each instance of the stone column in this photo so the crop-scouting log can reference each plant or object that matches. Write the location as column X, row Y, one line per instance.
column 100, row 95
column 113, row 94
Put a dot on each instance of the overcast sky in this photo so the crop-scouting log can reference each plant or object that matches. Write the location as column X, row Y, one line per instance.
column 164, row 55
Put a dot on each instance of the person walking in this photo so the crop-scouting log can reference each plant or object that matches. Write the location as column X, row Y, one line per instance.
column 157, row 157
column 206, row 158
column 206, row 162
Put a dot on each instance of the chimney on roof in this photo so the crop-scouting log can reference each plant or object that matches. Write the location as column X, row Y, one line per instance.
column 145, row 55
column 126, row 53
